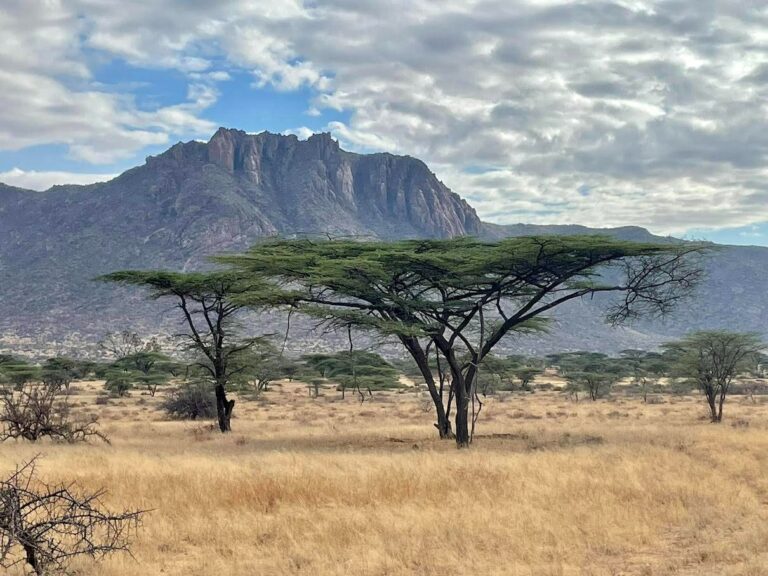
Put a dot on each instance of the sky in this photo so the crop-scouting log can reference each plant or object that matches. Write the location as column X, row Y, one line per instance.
column 601, row 113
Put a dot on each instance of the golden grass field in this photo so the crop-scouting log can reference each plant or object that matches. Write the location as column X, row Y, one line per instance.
column 332, row 487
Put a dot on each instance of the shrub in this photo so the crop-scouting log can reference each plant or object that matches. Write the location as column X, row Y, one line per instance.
column 191, row 401
column 37, row 411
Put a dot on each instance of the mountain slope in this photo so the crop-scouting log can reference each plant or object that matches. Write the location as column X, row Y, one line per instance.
column 198, row 199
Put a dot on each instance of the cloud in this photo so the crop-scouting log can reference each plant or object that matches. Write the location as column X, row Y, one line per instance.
column 657, row 108
column 642, row 101
column 49, row 94
column 34, row 180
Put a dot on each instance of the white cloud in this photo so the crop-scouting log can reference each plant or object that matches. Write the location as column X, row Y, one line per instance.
column 601, row 112
column 34, row 180
column 50, row 97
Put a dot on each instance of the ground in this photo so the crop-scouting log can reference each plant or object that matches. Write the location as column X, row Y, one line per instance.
column 331, row 487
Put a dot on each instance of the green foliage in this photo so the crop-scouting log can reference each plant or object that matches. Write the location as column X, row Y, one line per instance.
column 60, row 371
column 17, row 371
column 421, row 279
column 592, row 372
column 199, row 286
column 209, row 306
column 150, row 370
column 254, row 368
column 119, row 380
column 646, row 369
column 510, row 373
column 711, row 360
column 464, row 295
column 358, row 369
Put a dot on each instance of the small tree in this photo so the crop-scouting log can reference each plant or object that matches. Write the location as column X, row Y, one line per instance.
column 119, row 380
column 45, row 526
column 645, row 368
column 592, row 372
column 314, row 387
column 119, row 345
column 357, row 369
column 17, row 371
column 526, row 375
column 151, row 369
column 495, row 373
column 208, row 305
column 507, row 373
column 59, row 372
column 712, row 360
column 257, row 366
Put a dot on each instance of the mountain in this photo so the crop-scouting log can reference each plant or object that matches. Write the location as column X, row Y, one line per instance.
column 198, row 199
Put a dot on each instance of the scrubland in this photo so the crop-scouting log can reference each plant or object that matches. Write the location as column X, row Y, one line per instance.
column 331, row 487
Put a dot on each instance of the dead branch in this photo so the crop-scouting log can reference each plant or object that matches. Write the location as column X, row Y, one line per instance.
column 44, row 526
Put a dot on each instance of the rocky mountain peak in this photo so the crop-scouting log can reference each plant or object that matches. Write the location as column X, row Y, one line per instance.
column 315, row 185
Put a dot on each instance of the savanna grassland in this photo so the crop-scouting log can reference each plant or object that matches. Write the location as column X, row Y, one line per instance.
column 331, row 487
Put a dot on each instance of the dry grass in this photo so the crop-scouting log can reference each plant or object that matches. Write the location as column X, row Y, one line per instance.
column 324, row 487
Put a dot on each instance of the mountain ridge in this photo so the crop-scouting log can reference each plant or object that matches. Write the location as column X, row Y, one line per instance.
column 197, row 199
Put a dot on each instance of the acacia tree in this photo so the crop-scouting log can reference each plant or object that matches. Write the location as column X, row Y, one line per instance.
column 592, row 372
column 712, row 359
column 463, row 296
column 17, row 371
column 646, row 368
column 357, row 369
column 505, row 371
column 59, row 372
column 151, row 369
column 207, row 303
column 120, row 345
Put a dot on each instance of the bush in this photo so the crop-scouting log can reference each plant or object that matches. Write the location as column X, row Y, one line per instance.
column 119, row 381
column 37, row 411
column 191, row 401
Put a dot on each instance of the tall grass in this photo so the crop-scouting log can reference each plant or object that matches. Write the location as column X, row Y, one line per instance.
column 323, row 487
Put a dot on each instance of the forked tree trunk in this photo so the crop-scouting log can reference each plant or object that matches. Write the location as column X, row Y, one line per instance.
column 443, row 423
column 720, row 407
column 712, row 406
column 224, row 408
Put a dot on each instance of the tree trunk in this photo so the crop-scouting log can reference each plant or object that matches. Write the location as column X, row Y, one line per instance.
column 443, row 423
column 720, row 407
column 224, row 409
column 712, row 407
column 462, row 410
column 31, row 554
column 462, row 420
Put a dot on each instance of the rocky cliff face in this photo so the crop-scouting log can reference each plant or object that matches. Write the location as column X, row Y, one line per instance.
column 315, row 186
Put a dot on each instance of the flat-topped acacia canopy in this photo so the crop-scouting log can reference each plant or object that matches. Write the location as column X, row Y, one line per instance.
column 208, row 303
column 463, row 295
